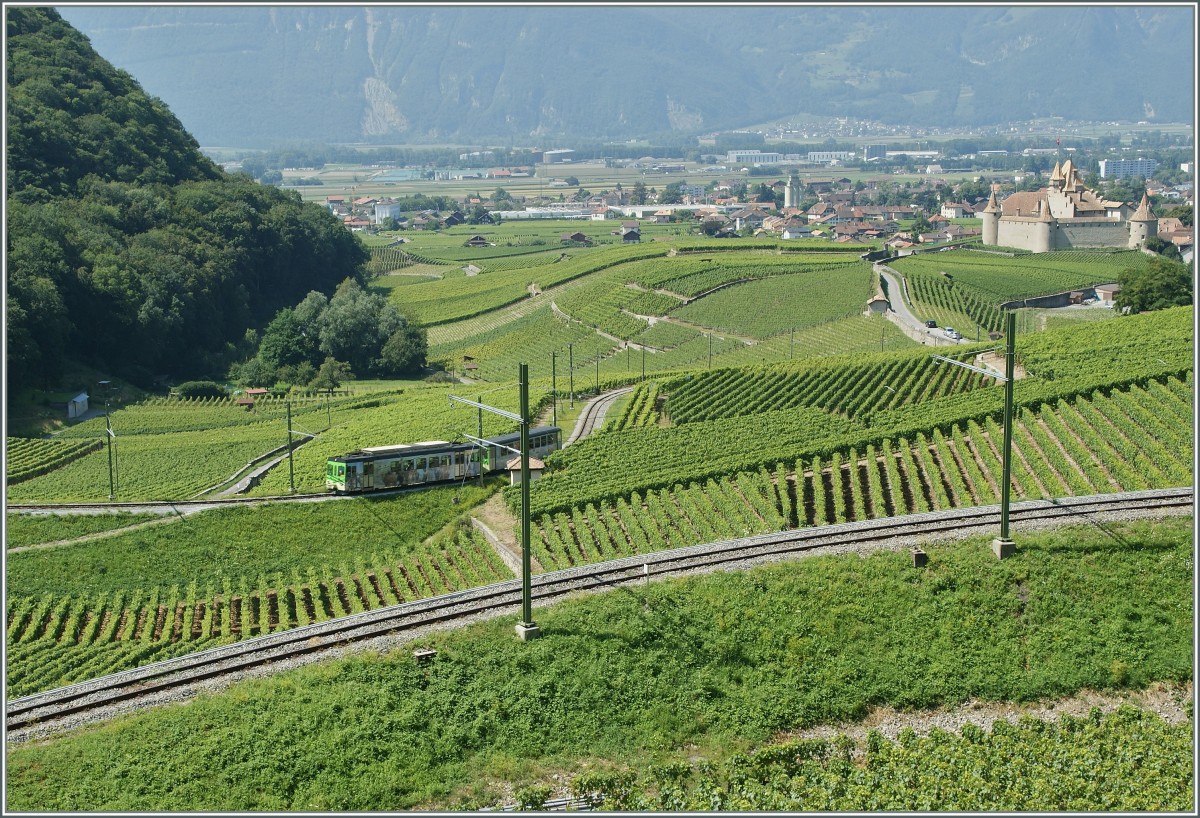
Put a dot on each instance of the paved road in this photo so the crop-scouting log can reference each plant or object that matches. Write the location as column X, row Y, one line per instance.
column 900, row 315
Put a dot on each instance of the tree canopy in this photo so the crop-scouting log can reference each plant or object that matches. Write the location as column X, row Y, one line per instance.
column 1160, row 284
column 127, row 248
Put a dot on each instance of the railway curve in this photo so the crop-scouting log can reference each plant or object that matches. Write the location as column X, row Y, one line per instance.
column 181, row 678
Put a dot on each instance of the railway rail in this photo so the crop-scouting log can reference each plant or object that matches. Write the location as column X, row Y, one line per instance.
column 594, row 413
column 180, row 678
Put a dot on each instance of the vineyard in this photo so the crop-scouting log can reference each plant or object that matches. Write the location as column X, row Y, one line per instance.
column 1126, row 440
column 127, row 606
column 693, row 694
column 965, row 288
column 27, row 458
column 457, row 298
column 768, row 307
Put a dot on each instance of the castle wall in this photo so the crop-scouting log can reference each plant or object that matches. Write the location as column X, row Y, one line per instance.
column 1030, row 234
column 1027, row 234
column 1090, row 233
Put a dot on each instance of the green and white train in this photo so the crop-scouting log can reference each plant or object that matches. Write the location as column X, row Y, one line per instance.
column 433, row 461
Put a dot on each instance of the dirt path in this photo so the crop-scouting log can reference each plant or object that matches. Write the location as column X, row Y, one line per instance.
column 1168, row 701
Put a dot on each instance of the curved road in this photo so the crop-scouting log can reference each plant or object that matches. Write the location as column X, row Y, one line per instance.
column 900, row 315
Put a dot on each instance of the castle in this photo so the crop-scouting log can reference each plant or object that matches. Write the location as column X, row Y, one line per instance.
column 1065, row 215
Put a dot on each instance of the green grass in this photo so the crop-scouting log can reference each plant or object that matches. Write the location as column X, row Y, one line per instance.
column 33, row 529
column 245, row 542
column 698, row 668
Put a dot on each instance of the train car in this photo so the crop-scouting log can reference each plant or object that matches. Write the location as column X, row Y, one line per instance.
column 433, row 461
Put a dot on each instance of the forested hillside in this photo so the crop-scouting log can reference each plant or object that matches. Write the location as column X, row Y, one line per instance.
column 127, row 248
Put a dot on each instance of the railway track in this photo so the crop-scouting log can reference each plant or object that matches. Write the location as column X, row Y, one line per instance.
column 180, row 678
column 594, row 413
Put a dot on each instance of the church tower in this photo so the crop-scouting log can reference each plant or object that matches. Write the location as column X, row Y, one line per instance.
column 791, row 192
column 1143, row 224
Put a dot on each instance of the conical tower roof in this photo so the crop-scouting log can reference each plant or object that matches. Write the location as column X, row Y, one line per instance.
column 1143, row 213
column 1045, row 214
column 992, row 205
column 1056, row 175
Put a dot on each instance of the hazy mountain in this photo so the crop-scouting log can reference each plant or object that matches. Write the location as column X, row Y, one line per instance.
column 258, row 75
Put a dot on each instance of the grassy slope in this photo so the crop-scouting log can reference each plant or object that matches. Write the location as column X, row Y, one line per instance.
column 699, row 667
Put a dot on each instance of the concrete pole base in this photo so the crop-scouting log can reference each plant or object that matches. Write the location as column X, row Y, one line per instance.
column 528, row 630
column 1003, row 547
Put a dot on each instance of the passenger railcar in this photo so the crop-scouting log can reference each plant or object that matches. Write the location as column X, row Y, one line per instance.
column 433, row 461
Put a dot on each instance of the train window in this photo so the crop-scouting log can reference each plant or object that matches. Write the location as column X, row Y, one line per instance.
column 406, row 465
column 420, row 462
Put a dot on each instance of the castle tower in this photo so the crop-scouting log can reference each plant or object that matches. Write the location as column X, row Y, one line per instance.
column 1143, row 224
column 1043, row 232
column 1056, row 176
column 990, row 216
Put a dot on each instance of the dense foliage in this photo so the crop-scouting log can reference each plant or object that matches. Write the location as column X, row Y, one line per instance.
column 1161, row 283
column 127, row 248
column 355, row 328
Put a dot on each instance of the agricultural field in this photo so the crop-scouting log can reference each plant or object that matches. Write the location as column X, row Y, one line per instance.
column 688, row 694
column 76, row 611
column 831, row 429
column 965, row 288
column 760, row 309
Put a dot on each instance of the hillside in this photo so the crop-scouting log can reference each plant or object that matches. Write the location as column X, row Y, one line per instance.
column 257, row 76
column 127, row 248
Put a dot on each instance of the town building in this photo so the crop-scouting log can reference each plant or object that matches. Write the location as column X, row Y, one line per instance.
column 1121, row 168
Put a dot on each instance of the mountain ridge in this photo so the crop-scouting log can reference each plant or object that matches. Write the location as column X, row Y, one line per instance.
column 249, row 76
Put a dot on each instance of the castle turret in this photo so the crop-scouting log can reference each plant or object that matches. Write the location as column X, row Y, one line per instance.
column 1143, row 224
column 990, row 216
column 1056, row 176
column 1043, row 229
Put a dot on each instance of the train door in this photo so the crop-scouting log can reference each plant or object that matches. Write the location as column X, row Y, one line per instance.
column 352, row 482
column 368, row 475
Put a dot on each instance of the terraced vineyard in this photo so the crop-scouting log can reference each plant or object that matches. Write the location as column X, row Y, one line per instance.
column 55, row 638
column 27, row 458
column 760, row 309
column 1124, row 440
column 965, row 288
column 456, row 298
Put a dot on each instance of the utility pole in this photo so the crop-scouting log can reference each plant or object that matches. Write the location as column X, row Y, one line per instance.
column 1003, row 546
column 792, row 344
column 643, row 362
column 571, row 364
column 109, row 436
column 479, row 433
column 709, row 334
column 526, row 628
column 554, row 383
column 291, row 471
column 597, row 374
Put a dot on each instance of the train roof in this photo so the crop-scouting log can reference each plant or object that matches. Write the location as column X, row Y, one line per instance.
column 432, row 446
column 399, row 449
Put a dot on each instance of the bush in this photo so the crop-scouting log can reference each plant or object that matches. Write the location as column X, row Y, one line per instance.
column 199, row 389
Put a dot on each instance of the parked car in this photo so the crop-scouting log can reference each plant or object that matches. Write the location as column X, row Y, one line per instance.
column 931, row 324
